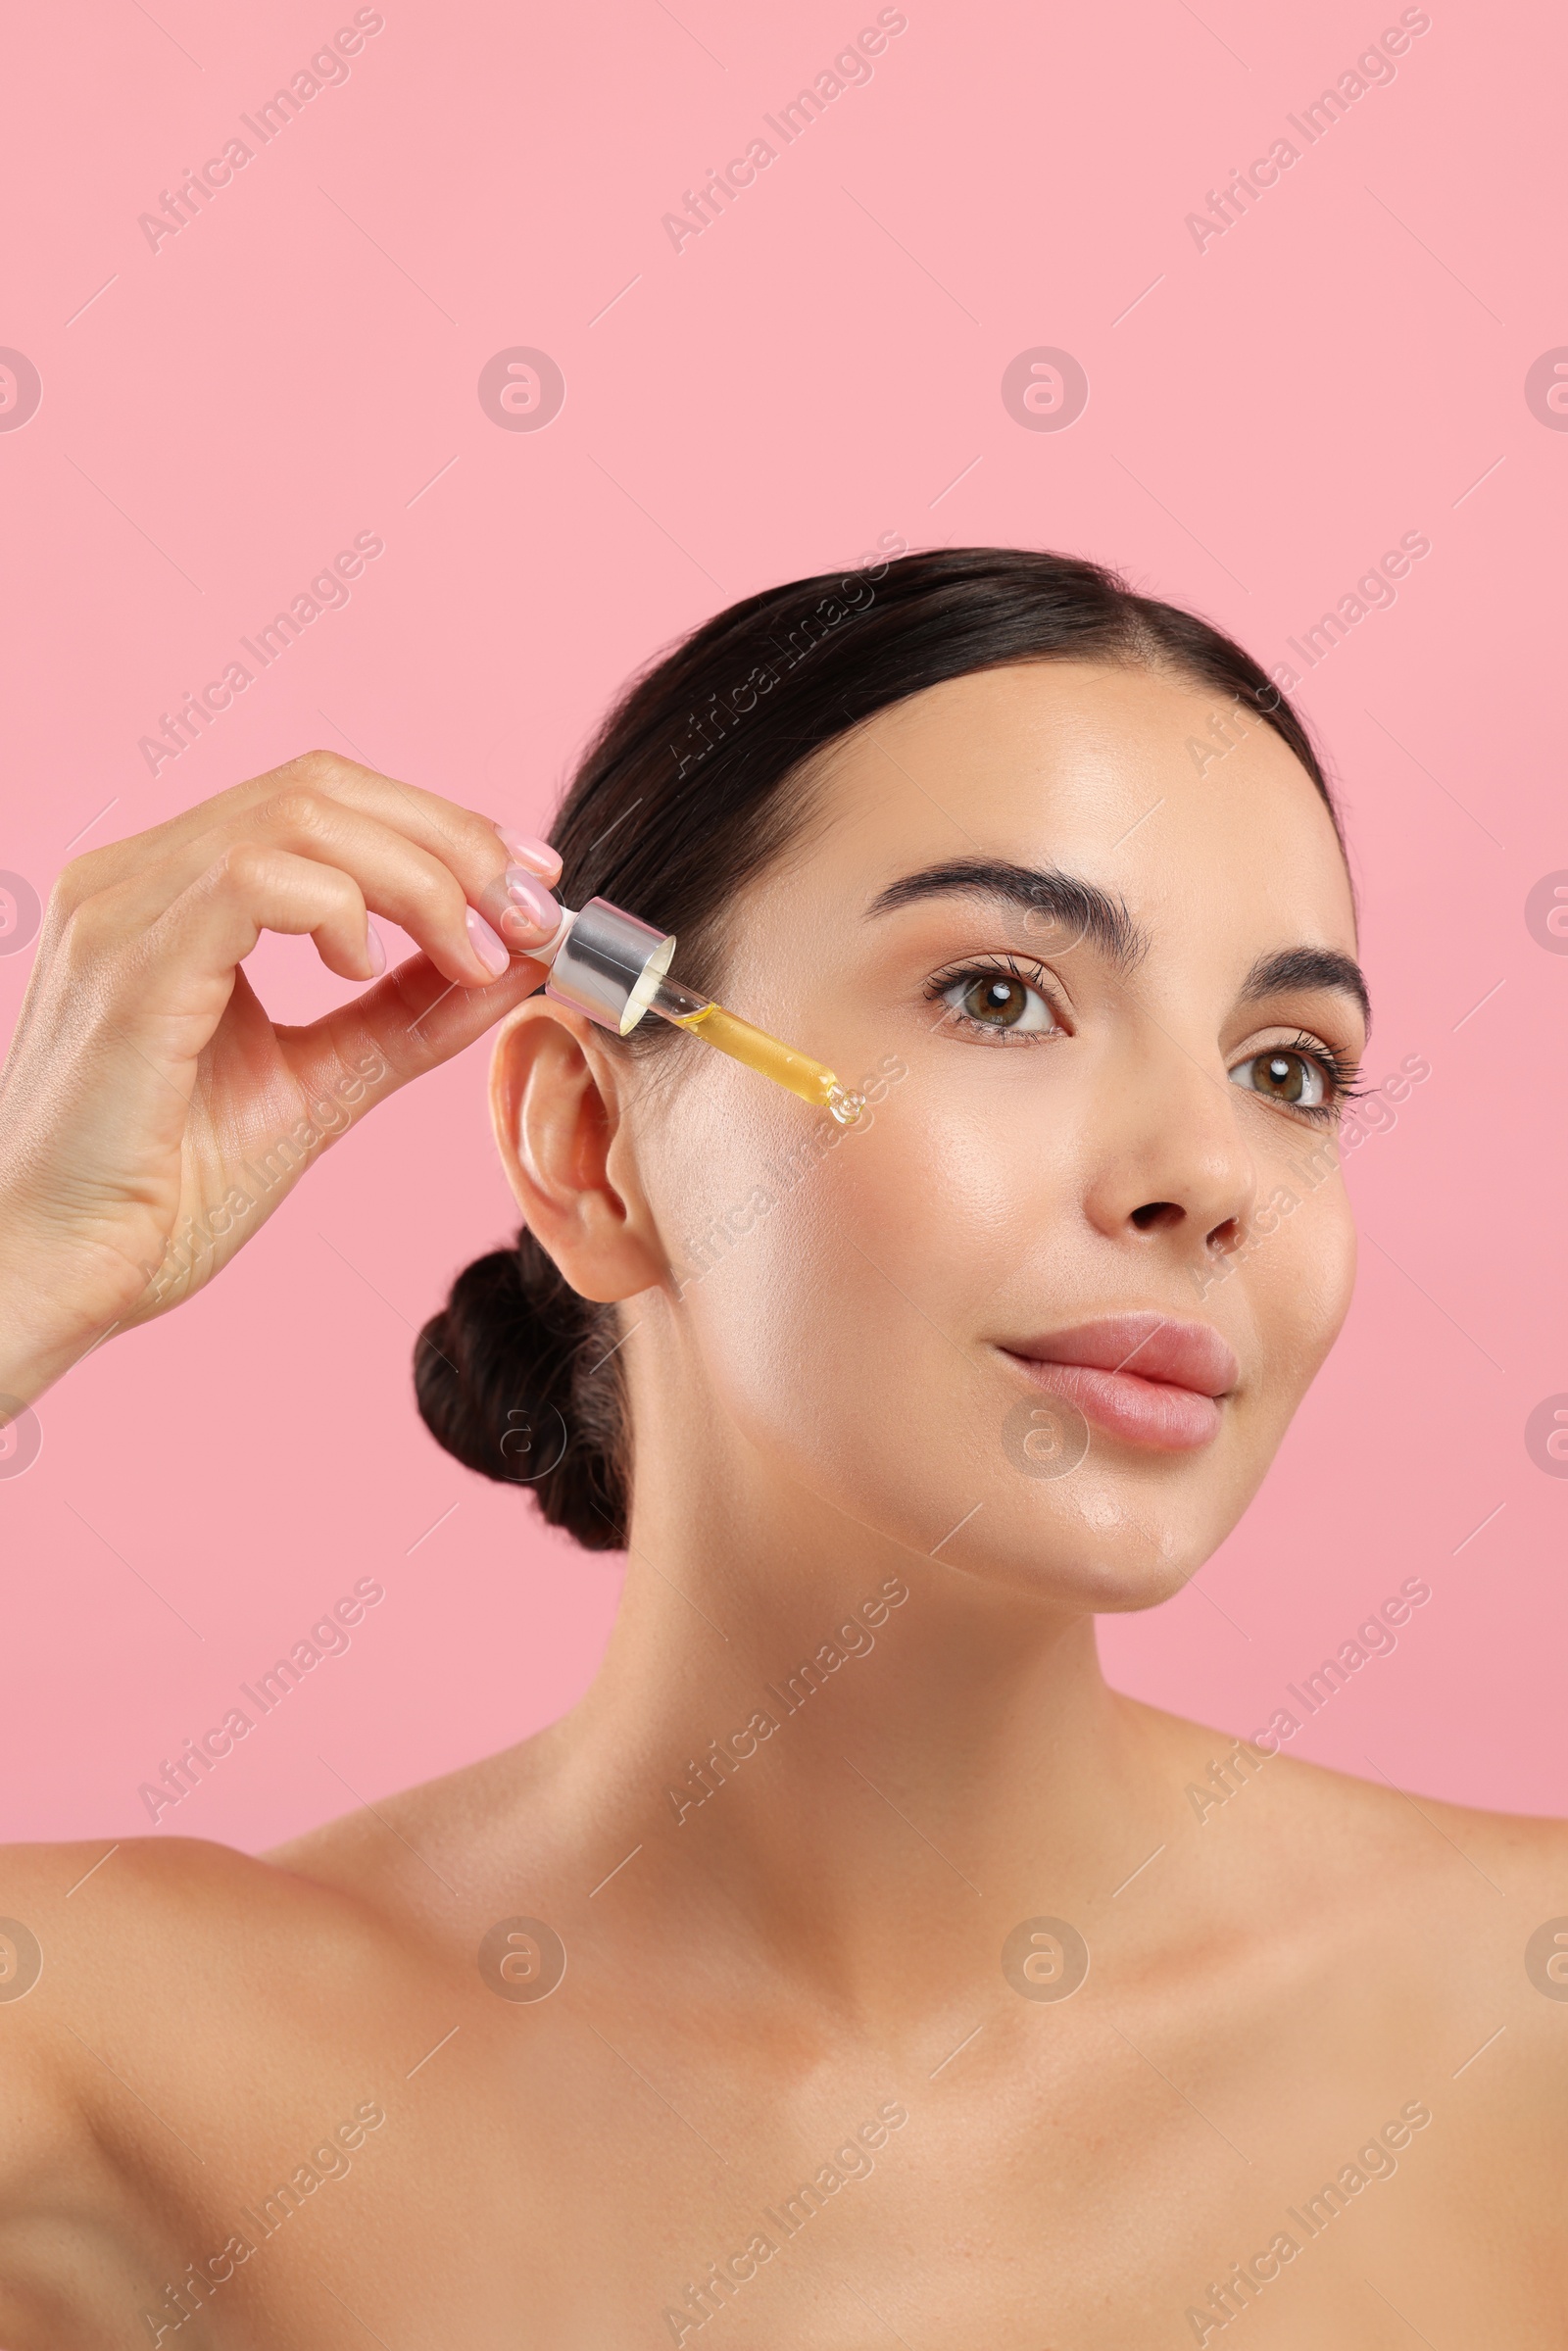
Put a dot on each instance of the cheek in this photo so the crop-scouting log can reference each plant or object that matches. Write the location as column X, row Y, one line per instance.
column 840, row 1332
column 790, row 1316
column 1299, row 1285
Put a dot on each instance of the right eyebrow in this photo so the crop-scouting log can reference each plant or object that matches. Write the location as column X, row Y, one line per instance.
column 1064, row 900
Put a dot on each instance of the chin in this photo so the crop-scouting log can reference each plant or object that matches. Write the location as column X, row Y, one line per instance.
column 1122, row 1592
column 1116, row 1574
column 1126, row 1529
column 1091, row 1526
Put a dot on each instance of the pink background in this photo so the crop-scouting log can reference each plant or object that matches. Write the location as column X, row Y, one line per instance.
column 1344, row 364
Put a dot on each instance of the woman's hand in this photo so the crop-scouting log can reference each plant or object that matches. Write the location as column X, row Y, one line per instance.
column 151, row 1116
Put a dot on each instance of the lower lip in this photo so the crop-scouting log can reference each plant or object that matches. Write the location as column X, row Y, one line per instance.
column 1148, row 1412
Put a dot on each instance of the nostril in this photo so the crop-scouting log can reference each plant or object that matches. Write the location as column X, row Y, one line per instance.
column 1224, row 1238
column 1157, row 1215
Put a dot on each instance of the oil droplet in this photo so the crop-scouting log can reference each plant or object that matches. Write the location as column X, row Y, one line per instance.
column 845, row 1107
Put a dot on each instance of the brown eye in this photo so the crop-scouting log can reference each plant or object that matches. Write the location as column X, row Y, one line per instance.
column 998, row 999
column 988, row 1000
column 1285, row 1076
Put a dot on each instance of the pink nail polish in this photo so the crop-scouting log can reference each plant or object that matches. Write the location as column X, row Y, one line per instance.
column 530, row 907
column 491, row 951
column 375, row 948
column 525, row 850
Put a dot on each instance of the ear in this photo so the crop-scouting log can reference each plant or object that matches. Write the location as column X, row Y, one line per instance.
column 557, row 1099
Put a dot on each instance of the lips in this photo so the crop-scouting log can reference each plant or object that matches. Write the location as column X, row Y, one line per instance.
column 1144, row 1378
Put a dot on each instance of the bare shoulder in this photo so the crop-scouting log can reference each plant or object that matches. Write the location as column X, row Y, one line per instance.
column 1365, row 1822
column 397, row 1855
column 1442, row 1926
column 163, row 1959
column 152, row 1993
column 1423, row 1840
column 158, row 1930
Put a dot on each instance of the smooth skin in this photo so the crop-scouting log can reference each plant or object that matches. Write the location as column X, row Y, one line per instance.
column 799, row 1978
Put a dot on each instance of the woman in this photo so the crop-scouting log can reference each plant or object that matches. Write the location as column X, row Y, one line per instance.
column 851, row 1966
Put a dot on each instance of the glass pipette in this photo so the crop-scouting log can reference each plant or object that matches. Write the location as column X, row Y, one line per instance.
column 606, row 963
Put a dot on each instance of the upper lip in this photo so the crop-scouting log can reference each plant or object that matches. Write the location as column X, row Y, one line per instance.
column 1150, row 1347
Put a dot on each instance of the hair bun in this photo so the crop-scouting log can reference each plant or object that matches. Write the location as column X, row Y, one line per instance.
column 516, row 1379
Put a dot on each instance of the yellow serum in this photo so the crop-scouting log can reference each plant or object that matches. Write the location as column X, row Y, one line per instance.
column 770, row 1059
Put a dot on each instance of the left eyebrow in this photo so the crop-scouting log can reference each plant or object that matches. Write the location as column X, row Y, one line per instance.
column 1302, row 967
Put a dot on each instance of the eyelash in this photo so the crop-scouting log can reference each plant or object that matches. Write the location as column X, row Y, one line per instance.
column 1028, row 975
column 1339, row 1072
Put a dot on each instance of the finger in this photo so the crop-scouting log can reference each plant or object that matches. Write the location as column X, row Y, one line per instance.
column 254, row 887
column 410, row 1022
column 472, row 847
column 466, row 843
column 525, row 849
column 452, row 900
column 396, row 877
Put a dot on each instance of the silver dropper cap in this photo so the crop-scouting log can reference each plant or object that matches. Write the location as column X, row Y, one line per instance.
column 609, row 966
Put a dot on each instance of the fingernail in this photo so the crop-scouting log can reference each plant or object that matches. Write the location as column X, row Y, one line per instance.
column 530, row 912
column 374, row 950
column 491, row 951
column 525, row 850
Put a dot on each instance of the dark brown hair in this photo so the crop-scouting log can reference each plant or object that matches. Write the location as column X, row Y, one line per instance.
column 682, row 798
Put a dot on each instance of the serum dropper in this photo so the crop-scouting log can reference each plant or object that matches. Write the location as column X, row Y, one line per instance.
column 606, row 963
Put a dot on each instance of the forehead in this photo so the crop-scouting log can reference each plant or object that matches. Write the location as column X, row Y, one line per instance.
column 1159, row 789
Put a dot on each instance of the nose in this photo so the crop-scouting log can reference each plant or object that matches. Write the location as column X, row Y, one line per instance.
column 1173, row 1166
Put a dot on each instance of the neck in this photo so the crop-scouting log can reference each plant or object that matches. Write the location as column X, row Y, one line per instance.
column 837, row 1753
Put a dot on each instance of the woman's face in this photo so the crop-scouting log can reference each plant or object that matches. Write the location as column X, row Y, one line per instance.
column 1085, row 936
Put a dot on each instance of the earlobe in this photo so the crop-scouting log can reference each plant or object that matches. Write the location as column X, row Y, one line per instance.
column 557, row 1106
